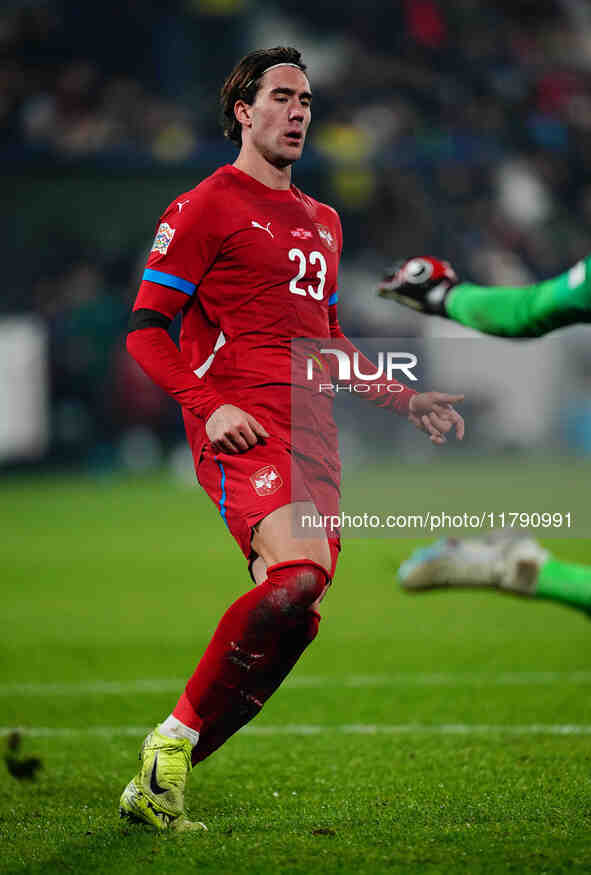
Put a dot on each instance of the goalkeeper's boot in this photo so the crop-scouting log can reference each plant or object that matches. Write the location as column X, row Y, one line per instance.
column 506, row 560
column 156, row 795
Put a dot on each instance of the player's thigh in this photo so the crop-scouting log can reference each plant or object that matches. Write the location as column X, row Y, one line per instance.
column 252, row 486
column 322, row 482
column 287, row 534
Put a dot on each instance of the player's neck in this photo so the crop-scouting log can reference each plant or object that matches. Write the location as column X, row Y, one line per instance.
column 255, row 165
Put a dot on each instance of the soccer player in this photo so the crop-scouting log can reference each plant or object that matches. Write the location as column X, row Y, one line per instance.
column 252, row 263
column 508, row 561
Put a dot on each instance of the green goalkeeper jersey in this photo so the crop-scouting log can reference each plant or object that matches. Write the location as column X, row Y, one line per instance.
column 524, row 311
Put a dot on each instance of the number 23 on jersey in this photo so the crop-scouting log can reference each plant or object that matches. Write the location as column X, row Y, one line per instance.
column 316, row 259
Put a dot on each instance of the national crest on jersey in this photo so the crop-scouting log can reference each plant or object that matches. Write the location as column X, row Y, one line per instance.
column 266, row 480
column 163, row 238
column 327, row 237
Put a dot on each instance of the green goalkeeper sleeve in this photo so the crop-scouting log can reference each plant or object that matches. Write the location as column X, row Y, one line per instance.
column 524, row 311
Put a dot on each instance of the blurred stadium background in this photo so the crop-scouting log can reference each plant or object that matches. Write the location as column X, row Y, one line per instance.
column 459, row 128
column 456, row 127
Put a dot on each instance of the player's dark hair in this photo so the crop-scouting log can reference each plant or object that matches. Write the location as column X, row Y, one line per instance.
column 245, row 79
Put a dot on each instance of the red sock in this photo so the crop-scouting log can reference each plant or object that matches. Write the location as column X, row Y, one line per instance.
column 291, row 647
column 257, row 642
column 184, row 711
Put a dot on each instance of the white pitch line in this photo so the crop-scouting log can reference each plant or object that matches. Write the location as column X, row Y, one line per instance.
column 404, row 679
column 103, row 688
column 316, row 729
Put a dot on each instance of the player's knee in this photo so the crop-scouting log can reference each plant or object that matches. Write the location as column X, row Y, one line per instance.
column 297, row 584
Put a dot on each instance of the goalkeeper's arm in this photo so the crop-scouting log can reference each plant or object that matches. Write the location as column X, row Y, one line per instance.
column 430, row 285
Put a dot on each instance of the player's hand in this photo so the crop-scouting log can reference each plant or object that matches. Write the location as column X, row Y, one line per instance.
column 433, row 413
column 232, row 430
column 421, row 283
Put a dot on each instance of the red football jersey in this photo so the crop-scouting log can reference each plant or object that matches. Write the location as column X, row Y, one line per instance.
column 258, row 267
column 261, row 262
column 252, row 268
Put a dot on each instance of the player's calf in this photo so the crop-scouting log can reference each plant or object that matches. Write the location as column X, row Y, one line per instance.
column 291, row 646
column 257, row 642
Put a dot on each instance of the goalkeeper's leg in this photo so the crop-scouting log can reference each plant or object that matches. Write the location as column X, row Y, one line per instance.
column 524, row 311
column 506, row 561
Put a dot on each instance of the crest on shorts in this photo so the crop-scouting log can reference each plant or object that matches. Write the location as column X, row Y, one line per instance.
column 163, row 238
column 266, row 480
column 327, row 237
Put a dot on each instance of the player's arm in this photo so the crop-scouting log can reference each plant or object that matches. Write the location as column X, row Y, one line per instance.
column 431, row 412
column 150, row 344
column 184, row 248
column 229, row 428
column 431, row 286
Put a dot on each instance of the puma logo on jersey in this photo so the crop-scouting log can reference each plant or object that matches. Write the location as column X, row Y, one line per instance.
column 181, row 204
column 266, row 228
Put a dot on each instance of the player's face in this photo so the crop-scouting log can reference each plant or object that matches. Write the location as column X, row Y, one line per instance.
column 280, row 115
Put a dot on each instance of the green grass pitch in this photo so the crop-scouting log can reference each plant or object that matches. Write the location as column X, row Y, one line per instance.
column 448, row 732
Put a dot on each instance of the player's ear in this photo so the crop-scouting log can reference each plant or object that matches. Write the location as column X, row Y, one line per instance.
column 243, row 112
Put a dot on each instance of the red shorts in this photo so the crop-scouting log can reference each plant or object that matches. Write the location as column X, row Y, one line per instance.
column 245, row 487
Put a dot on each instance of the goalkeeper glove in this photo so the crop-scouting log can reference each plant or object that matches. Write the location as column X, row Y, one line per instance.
column 421, row 283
